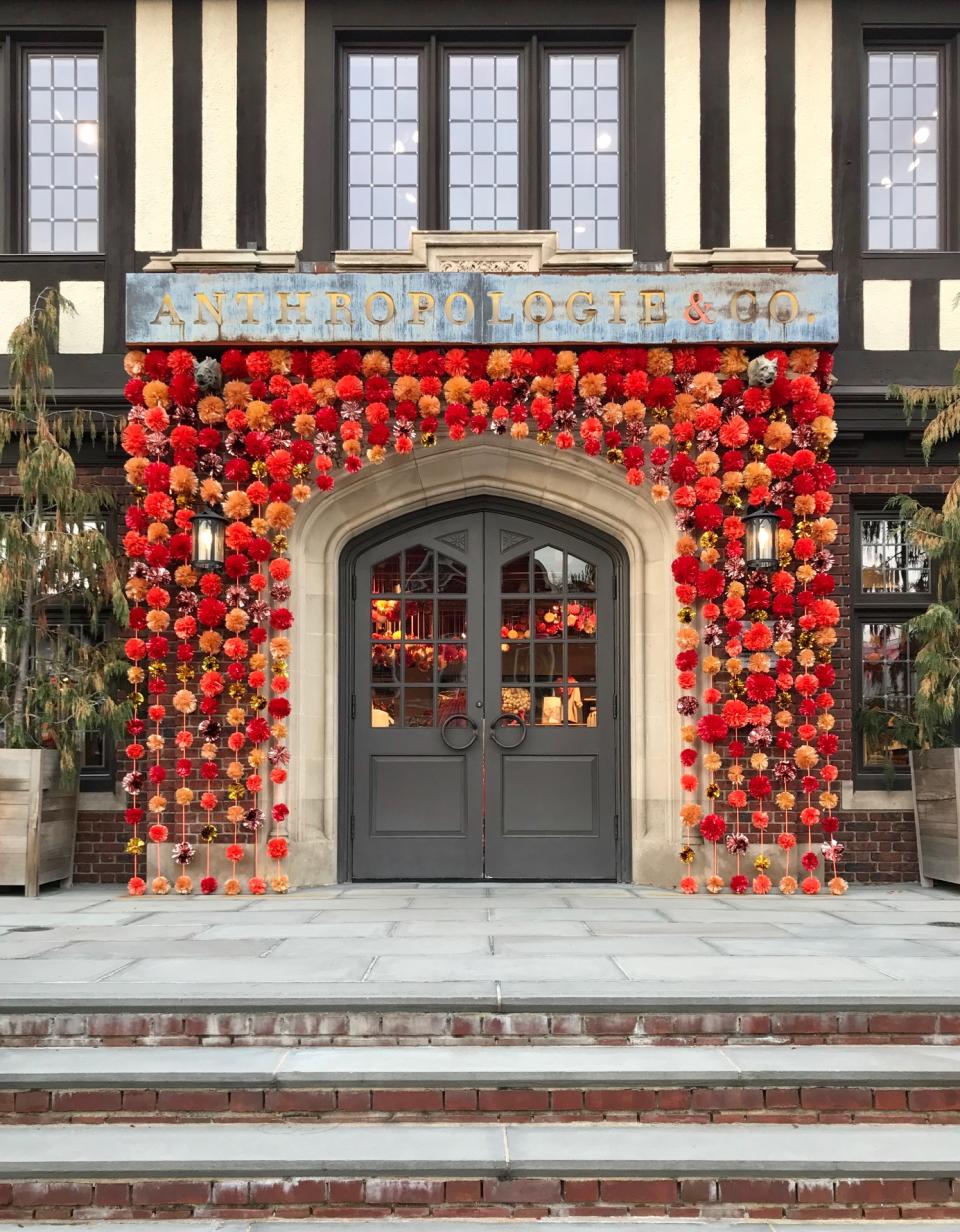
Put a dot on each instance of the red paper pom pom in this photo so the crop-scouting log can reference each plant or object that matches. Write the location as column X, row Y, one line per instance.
column 810, row 885
column 689, row 885
column 257, row 885
column 208, row 885
column 739, row 884
column 137, row 886
column 234, row 852
column 712, row 827
column 158, row 833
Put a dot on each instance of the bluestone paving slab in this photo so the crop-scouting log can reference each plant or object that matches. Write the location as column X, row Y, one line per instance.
column 438, row 945
column 55, row 970
column 813, row 969
column 733, row 1150
column 609, row 946
column 303, row 1149
column 100, row 1068
column 840, row 946
column 325, row 964
column 544, row 946
column 282, row 1149
column 316, row 929
column 492, row 967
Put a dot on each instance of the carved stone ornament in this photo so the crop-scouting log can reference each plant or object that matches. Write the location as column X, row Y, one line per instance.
column 483, row 252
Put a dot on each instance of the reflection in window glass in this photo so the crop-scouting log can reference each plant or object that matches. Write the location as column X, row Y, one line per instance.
column 382, row 164
column 63, row 161
column 584, row 150
column 889, row 683
column 903, row 149
column 889, row 563
column 484, row 143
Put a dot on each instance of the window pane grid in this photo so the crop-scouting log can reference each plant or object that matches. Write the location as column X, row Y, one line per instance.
column 889, row 562
column 484, row 142
column 382, row 145
column 888, row 679
column 584, row 150
column 903, row 150
column 62, row 141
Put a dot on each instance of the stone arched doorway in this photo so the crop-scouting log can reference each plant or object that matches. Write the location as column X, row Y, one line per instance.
column 488, row 468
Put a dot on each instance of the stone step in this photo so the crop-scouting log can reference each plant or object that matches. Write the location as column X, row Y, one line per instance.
column 889, row 1065
column 77, row 1172
column 607, row 1224
column 546, row 1082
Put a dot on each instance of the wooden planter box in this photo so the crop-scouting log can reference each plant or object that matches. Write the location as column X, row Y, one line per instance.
column 38, row 820
column 936, row 806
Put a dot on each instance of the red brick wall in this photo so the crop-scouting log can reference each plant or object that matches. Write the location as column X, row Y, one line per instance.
column 100, row 858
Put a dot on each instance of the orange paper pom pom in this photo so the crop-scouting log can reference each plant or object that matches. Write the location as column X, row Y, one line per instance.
column 689, row 885
column 231, row 887
column 183, row 885
column 280, row 884
column 788, row 885
column 160, row 885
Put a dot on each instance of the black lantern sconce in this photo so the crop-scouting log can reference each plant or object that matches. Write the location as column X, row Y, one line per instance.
column 209, row 532
column 760, row 539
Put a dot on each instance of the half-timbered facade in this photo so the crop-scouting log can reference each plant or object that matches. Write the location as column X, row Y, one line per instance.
column 659, row 136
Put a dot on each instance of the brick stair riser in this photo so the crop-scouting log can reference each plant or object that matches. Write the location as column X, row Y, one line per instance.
column 299, row 1028
column 533, row 1197
column 787, row 1104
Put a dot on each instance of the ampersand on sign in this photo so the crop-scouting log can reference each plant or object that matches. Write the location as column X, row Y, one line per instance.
column 698, row 311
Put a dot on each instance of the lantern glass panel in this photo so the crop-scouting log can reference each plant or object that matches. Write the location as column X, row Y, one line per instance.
column 760, row 540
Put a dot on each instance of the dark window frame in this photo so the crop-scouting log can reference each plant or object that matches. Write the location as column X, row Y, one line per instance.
column 433, row 166
column 15, row 47
column 868, row 608
column 945, row 42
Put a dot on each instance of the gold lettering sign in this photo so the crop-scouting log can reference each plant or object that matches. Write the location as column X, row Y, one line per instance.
column 544, row 313
column 339, row 308
column 743, row 305
column 468, row 307
column 167, row 311
column 784, row 307
column 495, row 317
column 204, row 305
column 617, row 317
column 248, row 297
column 390, row 307
column 420, row 302
column 585, row 314
column 654, row 307
column 300, row 307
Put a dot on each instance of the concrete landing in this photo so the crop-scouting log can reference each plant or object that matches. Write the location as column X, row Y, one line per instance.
column 481, row 946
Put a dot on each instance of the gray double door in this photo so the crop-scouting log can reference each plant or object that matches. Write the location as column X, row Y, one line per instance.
column 483, row 701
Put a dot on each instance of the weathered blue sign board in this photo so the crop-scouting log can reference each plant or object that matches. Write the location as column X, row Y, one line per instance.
column 481, row 309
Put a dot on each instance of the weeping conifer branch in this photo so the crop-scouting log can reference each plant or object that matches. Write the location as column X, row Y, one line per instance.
column 936, row 631
column 59, row 580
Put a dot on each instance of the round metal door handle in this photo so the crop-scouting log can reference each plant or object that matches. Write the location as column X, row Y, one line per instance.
column 463, row 718
column 515, row 721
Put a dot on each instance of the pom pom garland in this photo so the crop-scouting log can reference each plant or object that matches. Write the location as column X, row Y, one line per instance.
column 257, row 431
